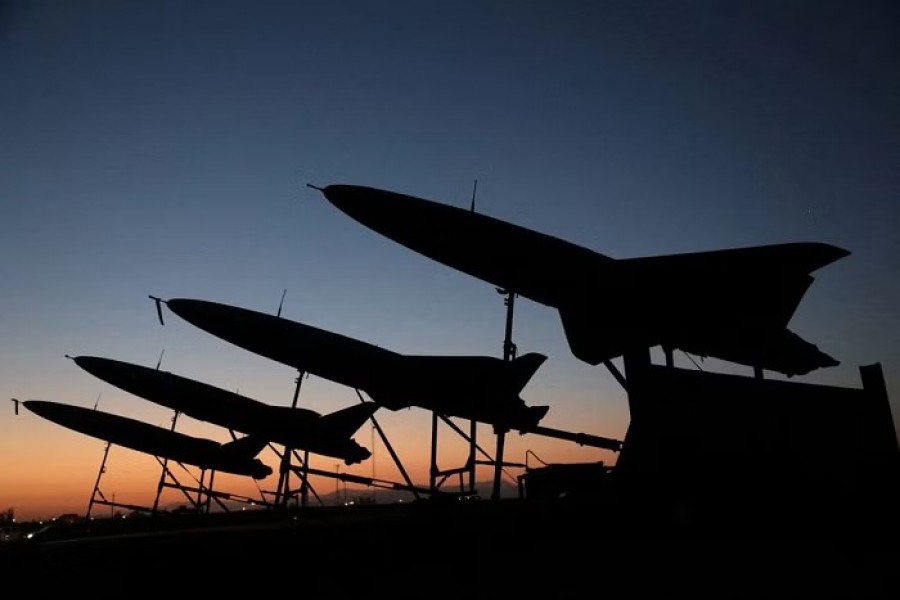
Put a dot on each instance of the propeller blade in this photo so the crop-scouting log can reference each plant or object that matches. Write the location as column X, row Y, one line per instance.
column 158, row 308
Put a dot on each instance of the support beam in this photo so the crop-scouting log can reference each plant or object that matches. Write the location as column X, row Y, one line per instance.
column 390, row 449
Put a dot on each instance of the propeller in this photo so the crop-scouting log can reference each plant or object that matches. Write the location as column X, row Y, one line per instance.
column 159, row 302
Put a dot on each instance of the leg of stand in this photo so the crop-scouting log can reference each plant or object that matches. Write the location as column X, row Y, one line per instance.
column 304, row 486
column 97, row 483
column 472, row 446
column 432, row 473
column 498, row 465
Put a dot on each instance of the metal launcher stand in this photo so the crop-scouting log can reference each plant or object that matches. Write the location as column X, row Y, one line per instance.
column 372, row 481
column 204, row 493
column 283, row 492
column 437, row 476
column 303, row 470
column 201, row 503
column 97, row 496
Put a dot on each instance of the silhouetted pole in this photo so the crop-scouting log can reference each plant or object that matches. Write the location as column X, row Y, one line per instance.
column 509, row 353
column 165, row 467
column 498, row 465
column 337, row 483
column 304, row 485
column 284, row 470
column 209, row 491
column 199, row 501
column 100, row 473
column 509, row 348
column 432, row 472
column 391, row 451
column 473, row 424
column 473, row 429
column 372, row 430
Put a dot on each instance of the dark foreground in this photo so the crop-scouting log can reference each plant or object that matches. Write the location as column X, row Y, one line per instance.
column 474, row 549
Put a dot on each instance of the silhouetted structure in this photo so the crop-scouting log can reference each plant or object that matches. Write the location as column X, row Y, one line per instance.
column 237, row 457
column 329, row 435
column 712, row 452
column 482, row 388
column 732, row 304
column 479, row 388
column 704, row 451
column 567, row 482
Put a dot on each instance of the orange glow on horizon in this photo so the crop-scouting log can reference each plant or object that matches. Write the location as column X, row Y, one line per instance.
column 53, row 470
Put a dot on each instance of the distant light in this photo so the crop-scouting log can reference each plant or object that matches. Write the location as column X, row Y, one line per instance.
column 29, row 536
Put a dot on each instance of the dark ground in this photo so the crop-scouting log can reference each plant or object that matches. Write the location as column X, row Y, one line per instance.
column 471, row 549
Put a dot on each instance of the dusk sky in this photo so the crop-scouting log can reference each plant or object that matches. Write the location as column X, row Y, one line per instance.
column 164, row 148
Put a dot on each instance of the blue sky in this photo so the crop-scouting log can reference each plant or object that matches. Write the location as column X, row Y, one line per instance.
column 163, row 148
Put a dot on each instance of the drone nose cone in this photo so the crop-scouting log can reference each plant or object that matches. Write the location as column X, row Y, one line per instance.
column 182, row 307
column 358, row 202
column 52, row 411
column 200, row 313
column 340, row 194
column 35, row 406
column 372, row 207
column 410, row 221
column 83, row 361
column 91, row 364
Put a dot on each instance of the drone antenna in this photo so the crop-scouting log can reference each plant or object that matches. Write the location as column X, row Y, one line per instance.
column 281, row 304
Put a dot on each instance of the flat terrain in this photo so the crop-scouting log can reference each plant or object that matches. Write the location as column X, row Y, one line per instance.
column 473, row 549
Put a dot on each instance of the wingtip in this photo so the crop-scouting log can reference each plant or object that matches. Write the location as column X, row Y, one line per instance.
column 833, row 253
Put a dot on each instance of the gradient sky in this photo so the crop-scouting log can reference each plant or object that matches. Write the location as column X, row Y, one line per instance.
column 164, row 147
